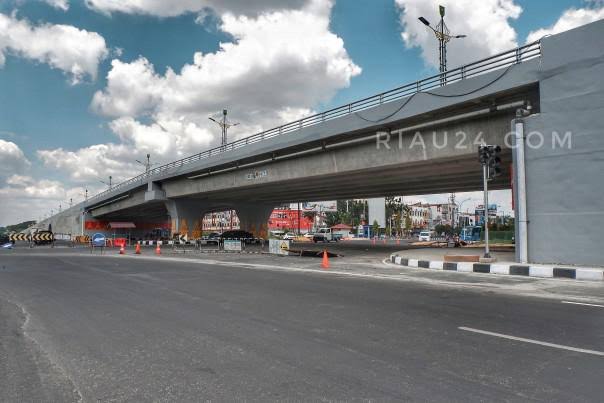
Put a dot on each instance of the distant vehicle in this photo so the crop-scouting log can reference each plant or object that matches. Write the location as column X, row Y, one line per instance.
column 424, row 236
column 309, row 235
column 212, row 238
column 277, row 233
column 325, row 235
column 238, row 234
column 289, row 237
column 4, row 239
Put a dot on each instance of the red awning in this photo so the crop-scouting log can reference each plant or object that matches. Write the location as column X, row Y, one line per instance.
column 121, row 225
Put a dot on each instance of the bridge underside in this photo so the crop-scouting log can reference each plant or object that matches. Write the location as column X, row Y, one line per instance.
column 454, row 175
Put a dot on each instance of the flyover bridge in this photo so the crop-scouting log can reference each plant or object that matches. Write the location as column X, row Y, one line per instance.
column 420, row 138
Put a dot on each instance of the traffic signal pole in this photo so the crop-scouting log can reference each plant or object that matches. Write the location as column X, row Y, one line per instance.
column 485, row 180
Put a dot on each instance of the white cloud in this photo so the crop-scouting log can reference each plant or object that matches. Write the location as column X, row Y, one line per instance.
column 165, row 140
column 485, row 22
column 279, row 66
column 163, row 8
column 12, row 159
column 60, row 4
column 75, row 51
column 25, row 198
column 279, row 62
column 570, row 19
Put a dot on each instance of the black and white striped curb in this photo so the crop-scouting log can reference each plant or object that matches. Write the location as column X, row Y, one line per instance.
column 541, row 271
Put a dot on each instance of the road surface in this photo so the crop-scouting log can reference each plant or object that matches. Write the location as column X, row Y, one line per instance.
column 111, row 329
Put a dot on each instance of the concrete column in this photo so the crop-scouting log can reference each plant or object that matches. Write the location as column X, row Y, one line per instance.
column 186, row 215
column 253, row 217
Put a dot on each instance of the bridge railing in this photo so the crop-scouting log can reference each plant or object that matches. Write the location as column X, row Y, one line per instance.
column 498, row 61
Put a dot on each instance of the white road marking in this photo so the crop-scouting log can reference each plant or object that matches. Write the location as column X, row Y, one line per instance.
column 581, row 303
column 541, row 343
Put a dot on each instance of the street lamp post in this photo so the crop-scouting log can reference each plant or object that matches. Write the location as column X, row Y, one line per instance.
column 224, row 126
column 443, row 36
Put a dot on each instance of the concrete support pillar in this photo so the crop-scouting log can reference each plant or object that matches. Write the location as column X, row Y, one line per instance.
column 186, row 216
column 253, row 217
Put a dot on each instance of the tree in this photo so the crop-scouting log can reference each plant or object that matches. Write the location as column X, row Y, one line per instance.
column 376, row 228
column 19, row 227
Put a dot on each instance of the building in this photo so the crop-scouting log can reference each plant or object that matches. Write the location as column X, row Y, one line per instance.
column 289, row 219
column 467, row 219
column 220, row 221
column 420, row 215
column 443, row 214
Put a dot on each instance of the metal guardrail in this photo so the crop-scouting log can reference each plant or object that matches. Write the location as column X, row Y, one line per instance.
column 504, row 59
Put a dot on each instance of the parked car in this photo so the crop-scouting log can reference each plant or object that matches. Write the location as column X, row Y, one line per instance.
column 242, row 235
column 424, row 236
column 212, row 238
column 325, row 235
column 289, row 237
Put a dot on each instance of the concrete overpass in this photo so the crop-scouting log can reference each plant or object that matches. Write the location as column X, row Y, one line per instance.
column 420, row 138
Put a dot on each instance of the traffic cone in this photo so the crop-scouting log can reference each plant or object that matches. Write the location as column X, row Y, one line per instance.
column 325, row 263
column 158, row 250
column 137, row 250
column 122, row 249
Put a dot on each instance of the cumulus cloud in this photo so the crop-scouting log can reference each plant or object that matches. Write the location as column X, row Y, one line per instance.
column 162, row 8
column 570, row 19
column 485, row 22
column 279, row 66
column 12, row 160
column 76, row 52
column 165, row 140
column 60, row 4
column 279, row 62
column 25, row 198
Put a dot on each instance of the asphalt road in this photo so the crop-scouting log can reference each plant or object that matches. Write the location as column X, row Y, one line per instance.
column 101, row 328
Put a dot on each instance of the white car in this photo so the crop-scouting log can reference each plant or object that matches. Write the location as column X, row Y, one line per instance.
column 308, row 235
column 289, row 237
column 424, row 236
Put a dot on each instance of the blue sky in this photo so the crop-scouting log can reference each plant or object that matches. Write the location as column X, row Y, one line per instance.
column 45, row 107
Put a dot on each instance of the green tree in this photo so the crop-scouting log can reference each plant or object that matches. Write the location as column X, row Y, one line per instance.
column 375, row 228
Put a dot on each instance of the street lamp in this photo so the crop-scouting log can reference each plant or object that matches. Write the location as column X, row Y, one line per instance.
column 108, row 184
column 224, row 126
column 443, row 36
column 147, row 164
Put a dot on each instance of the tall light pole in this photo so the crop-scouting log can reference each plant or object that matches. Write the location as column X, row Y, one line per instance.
column 107, row 183
column 443, row 35
column 224, row 126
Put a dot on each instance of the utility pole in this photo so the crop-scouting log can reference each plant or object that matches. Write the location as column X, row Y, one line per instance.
column 443, row 36
column 224, row 126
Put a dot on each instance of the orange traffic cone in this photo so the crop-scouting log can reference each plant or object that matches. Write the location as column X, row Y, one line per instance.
column 122, row 249
column 158, row 250
column 137, row 250
column 325, row 263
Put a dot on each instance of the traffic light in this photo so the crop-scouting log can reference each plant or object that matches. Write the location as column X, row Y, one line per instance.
column 489, row 157
column 494, row 162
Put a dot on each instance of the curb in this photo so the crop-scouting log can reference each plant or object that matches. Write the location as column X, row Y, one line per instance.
column 503, row 268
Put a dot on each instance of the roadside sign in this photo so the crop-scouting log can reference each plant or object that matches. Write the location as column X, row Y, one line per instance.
column 278, row 247
column 98, row 240
column 233, row 245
